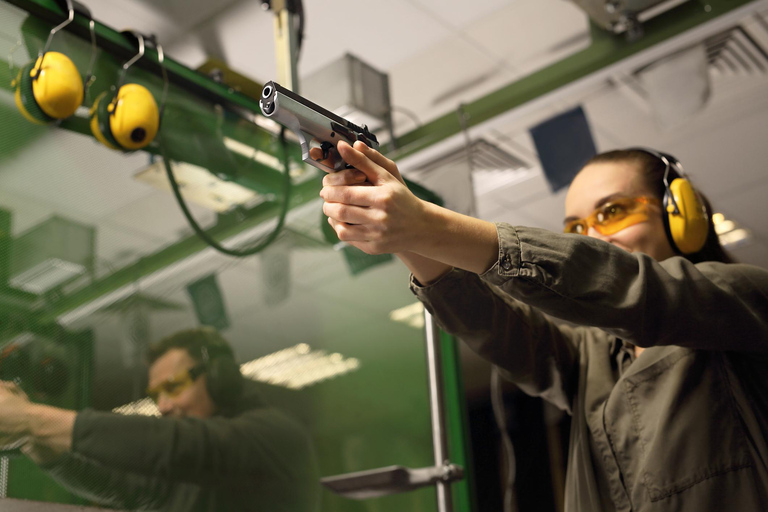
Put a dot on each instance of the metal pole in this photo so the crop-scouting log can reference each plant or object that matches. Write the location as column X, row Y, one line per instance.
column 286, row 45
column 437, row 410
column 4, row 463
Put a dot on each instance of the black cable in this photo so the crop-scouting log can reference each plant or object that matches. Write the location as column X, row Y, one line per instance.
column 205, row 236
column 299, row 10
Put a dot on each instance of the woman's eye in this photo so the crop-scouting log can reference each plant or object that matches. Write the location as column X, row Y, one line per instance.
column 612, row 211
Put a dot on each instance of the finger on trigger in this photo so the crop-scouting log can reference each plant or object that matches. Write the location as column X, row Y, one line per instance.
column 360, row 161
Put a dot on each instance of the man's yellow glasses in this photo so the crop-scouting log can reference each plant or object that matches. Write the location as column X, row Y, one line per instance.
column 614, row 216
column 174, row 386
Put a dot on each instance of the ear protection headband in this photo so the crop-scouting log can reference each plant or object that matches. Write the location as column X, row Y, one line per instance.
column 224, row 380
column 686, row 219
column 50, row 88
column 129, row 120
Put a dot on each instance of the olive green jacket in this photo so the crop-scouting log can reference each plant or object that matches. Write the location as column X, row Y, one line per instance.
column 252, row 458
column 683, row 427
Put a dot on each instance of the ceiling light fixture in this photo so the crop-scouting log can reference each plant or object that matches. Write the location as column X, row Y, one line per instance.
column 200, row 186
column 411, row 315
column 298, row 367
column 729, row 232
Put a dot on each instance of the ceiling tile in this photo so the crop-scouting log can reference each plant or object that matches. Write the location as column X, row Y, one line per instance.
column 531, row 34
column 123, row 15
column 418, row 82
column 460, row 13
column 380, row 33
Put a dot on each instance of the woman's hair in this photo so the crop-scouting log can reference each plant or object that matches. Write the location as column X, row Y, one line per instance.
column 652, row 169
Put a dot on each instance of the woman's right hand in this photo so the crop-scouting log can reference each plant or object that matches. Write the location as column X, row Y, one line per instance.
column 371, row 208
column 382, row 215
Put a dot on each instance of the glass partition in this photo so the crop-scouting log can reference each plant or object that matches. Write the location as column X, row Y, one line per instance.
column 97, row 263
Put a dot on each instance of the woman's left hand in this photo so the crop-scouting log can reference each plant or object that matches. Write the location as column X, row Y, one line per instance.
column 382, row 217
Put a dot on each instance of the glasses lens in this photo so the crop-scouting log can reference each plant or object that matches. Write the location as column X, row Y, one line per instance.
column 617, row 215
column 576, row 227
column 172, row 387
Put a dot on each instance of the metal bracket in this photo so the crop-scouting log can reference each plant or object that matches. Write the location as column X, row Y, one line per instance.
column 374, row 483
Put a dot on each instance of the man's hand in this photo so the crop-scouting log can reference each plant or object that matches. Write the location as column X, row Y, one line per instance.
column 14, row 416
column 42, row 431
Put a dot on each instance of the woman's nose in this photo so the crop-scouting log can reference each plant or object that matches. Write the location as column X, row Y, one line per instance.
column 596, row 234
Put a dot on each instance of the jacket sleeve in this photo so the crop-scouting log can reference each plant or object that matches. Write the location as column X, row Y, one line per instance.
column 540, row 356
column 710, row 305
column 95, row 482
column 256, row 444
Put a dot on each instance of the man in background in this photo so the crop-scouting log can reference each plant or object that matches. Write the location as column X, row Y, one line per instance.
column 216, row 447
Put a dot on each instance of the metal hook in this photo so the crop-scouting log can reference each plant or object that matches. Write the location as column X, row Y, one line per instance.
column 70, row 17
column 131, row 62
column 89, row 78
column 11, row 64
column 161, row 61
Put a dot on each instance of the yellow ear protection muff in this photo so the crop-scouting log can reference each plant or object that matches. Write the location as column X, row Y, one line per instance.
column 50, row 88
column 686, row 220
column 129, row 120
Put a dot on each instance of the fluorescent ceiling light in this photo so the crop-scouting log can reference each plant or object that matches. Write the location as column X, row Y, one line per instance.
column 724, row 227
column 143, row 407
column 729, row 232
column 253, row 153
column 266, row 123
column 298, row 367
column 200, row 186
column 299, row 172
column 735, row 237
column 46, row 275
column 411, row 315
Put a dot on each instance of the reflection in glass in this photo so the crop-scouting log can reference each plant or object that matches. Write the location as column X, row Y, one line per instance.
column 331, row 384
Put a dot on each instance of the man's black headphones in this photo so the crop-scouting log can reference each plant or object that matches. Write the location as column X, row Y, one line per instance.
column 223, row 378
column 686, row 221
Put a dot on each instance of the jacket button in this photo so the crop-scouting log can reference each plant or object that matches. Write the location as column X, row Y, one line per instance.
column 506, row 263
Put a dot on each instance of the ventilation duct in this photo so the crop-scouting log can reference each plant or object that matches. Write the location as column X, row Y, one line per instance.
column 449, row 174
column 738, row 51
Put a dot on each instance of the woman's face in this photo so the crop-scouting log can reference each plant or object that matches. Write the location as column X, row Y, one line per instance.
column 599, row 183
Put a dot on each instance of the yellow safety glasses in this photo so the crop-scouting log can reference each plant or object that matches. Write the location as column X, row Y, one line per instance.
column 175, row 385
column 614, row 216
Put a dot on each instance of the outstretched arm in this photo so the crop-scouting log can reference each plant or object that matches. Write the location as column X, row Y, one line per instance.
column 584, row 280
column 45, row 431
column 383, row 216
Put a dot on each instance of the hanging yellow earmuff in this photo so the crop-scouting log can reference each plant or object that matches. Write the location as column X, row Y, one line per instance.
column 51, row 88
column 130, row 119
column 48, row 89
